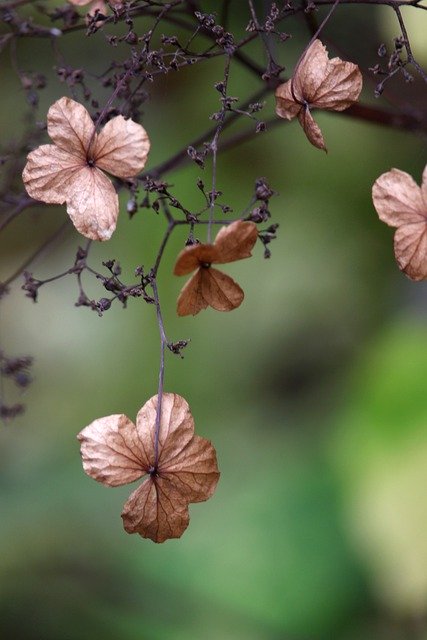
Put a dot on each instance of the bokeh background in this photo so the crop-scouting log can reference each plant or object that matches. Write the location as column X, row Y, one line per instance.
column 313, row 391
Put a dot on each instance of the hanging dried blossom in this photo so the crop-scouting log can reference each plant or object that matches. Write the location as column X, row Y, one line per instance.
column 70, row 170
column 401, row 203
column 181, row 469
column 333, row 85
column 208, row 286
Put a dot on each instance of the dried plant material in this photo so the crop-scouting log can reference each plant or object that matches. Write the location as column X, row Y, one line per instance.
column 70, row 170
column 401, row 203
column 95, row 5
column 209, row 287
column 115, row 451
column 318, row 83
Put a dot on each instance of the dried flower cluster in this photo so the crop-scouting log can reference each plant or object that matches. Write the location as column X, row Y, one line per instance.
column 318, row 83
column 401, row 203
column 208, row 286
column 70, row 170
column 181, row 468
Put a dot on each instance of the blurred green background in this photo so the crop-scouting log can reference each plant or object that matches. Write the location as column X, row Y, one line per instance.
column 313, row 391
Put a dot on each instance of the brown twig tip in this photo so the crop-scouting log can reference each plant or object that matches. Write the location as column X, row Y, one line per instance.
column 115, row 451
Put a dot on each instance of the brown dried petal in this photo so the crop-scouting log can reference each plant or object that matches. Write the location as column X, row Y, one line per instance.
column 190, row 258
column 311, row 128
column 286, row 106
column 209, row 287
column 235, row 241
column 190, row 299
column 193, row 470
column 176, row 427
column 398, row 199
column 156, row 510
column 401, row 203
column 310, row 72
column 70, row 127
column 93, row 204
column 410, row 249
column 122, row 148
column 220, row 291
column 50, row 174
column 340, row 87
column 112, row 452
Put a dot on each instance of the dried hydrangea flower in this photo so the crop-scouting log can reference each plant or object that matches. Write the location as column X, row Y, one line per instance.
column 401, row 203
column 318, row 83
column 115, row 451
column 208, row 286
column 70, row 170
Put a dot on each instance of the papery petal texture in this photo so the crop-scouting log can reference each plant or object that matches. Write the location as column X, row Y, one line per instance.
column 410, row 249
column 70, row 127
column 51, row 173
column 286, row 106
column 122, row 148
column 156, row 510
column 398, row 199
column 311, row 129
column 93, row 205
column 220, row 291
column 235, row 242
column 311, row 72
column 340, row 88
column 111, row 451
column 401, row 203
column 176, row 426
column 190, row 299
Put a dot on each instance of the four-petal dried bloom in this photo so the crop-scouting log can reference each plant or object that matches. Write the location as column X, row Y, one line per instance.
column 70, row 170
column 208, row 286
column 181, row 469
column 319, row 83
column 401, row 203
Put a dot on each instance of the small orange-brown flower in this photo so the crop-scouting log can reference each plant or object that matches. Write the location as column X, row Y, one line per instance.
column 70, row 170
column 401, row 203
column 208, row 286
column 115, row 451
column 319, row 83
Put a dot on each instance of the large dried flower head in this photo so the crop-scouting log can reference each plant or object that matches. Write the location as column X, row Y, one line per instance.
column 70, row 170
column 208, row 286
column 401, row 203
column 181, row 468
column 318, row 83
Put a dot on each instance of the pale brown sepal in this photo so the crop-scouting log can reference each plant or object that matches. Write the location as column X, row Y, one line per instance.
column 401, row 203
